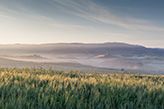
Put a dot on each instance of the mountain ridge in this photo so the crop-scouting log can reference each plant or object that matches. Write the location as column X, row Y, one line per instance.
column 78, row 43
column 81, row 48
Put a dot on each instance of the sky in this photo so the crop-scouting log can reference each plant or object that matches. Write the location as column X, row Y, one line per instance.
column 86, row 21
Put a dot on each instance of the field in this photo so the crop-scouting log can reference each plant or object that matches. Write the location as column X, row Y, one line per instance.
column 24, row 88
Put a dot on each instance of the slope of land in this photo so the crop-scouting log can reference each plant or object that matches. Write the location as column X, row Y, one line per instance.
column 105, row 55
column 58, row 66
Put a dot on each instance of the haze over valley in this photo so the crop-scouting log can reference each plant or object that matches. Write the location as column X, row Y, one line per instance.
column 102, row 57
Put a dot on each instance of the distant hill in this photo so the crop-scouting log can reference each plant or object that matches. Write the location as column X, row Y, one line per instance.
column 80, row 48
column 103, row 55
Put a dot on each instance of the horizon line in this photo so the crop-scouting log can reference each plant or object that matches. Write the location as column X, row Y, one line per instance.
column 49, row 43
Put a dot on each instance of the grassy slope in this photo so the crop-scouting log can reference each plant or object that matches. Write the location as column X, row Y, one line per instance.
column 41, row 88
column 4, row 62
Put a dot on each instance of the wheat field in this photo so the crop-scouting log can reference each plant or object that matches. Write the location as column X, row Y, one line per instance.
column 38, row 88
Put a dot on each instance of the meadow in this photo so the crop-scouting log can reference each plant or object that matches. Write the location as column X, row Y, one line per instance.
column 38, row 88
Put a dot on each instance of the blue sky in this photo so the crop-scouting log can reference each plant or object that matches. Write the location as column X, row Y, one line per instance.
column 88, row 21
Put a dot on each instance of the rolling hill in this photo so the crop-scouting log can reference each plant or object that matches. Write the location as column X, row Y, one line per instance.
column 103, row 55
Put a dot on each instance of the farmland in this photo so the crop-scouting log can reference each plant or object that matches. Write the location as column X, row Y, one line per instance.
column 40, row 88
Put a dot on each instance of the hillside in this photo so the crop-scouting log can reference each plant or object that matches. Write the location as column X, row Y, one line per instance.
column 80, row 48
column 57, row 66
column 103, row 55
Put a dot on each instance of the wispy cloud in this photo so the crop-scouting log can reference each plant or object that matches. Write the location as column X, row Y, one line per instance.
column 86, row 9
column 91, row 11
column 24, row 12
